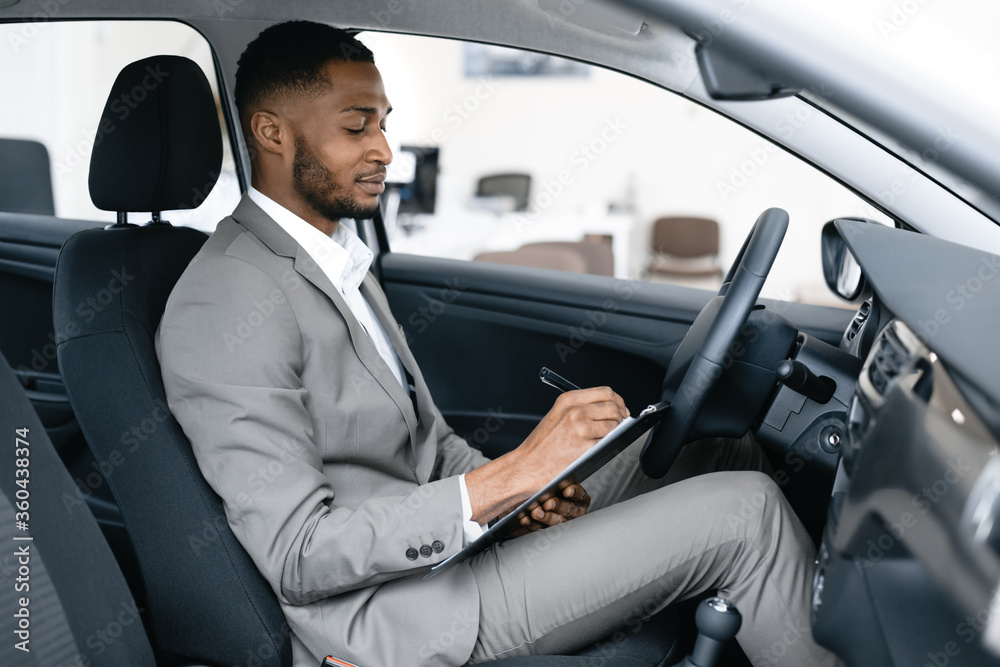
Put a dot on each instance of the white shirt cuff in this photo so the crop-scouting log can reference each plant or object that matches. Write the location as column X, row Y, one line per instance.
column 473, row 531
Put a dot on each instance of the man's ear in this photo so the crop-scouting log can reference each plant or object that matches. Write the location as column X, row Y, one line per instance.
column 269, row 132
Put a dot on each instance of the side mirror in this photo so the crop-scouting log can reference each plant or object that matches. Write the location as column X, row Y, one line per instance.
column 842, row 273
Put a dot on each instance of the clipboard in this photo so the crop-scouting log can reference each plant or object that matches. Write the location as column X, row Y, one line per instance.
column 583, row 467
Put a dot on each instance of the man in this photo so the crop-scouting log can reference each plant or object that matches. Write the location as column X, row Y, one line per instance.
column 310, row 418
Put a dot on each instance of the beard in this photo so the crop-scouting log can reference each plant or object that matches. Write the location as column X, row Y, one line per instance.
column 320, row 189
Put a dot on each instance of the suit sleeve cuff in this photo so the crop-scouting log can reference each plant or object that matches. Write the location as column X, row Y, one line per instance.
column 473, row 531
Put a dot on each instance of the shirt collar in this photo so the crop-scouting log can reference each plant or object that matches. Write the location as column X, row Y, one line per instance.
column 344, row 258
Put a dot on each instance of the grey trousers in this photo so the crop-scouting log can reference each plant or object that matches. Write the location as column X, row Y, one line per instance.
column 647, row 543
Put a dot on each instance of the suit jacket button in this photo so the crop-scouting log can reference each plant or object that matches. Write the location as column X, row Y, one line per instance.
column 411, row 553
column 425, row 551
column 437, row 546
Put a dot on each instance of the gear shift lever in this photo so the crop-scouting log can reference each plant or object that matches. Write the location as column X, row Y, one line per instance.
column 718, row 621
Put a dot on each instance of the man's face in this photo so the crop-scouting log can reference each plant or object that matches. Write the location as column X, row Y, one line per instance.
column 340, row 147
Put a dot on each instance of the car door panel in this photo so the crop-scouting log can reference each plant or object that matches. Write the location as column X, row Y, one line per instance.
column 481, row 332
column 29, row 246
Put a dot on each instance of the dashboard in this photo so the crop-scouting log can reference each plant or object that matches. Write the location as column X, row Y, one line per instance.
column 909, row 563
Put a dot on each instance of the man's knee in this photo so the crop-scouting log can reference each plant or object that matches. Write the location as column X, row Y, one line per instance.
column 746, row 499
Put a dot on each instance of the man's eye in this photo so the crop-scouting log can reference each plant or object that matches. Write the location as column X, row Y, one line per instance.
column 353, row 131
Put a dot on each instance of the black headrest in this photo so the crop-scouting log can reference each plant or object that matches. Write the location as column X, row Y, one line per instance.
column 25, row 177
column 158, row 144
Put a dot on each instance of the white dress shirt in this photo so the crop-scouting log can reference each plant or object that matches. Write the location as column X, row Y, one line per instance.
column 345, row 260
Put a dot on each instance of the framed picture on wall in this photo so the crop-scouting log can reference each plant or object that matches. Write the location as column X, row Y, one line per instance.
column 489, row 60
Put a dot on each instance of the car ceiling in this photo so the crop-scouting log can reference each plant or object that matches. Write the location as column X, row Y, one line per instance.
column 660, row 52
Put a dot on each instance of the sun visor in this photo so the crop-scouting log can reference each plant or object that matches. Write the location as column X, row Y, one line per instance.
column 595, row 15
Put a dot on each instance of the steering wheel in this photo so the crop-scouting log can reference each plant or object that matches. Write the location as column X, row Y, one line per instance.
column 707, row 349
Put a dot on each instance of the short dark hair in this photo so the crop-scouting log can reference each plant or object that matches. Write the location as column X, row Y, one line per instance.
column 289, row 58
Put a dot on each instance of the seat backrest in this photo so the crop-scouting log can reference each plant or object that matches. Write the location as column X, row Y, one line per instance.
column 207, row 600
column 62, row 589
column 25, row 178
column 686, row 236
column 517, row 186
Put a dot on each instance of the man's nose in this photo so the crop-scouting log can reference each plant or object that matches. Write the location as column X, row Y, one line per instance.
column 379, row 151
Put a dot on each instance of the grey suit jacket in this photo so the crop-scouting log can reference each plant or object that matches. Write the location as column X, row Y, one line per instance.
column 328, row 474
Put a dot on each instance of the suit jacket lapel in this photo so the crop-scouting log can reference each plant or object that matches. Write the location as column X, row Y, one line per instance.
column 376, row 299
column 251, row 216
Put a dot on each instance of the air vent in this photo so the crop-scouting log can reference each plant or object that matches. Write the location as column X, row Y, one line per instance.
column 888, row 359
column 859, row 320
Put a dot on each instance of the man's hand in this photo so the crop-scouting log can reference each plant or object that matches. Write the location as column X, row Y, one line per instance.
column 573, row 503
column 577, row 420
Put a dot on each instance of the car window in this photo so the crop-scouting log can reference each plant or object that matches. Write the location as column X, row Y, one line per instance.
column 500, row 150
column 57, row 76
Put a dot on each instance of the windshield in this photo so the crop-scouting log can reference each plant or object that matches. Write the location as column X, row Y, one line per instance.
column 946, row 48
